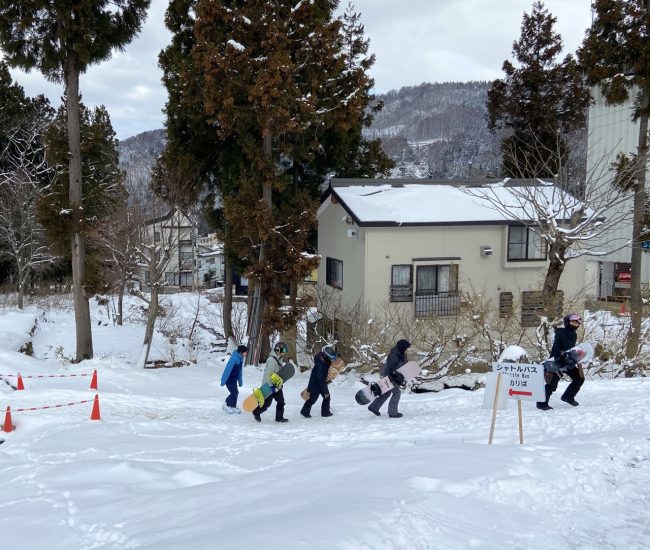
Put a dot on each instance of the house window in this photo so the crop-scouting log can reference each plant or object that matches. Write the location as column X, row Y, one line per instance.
column 524, row 243
column 436, row 291
column 401, row 283
column 171, row 278
column 334, row 274
column 186, row 256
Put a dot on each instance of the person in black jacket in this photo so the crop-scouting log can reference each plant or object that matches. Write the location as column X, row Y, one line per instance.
column 396, row 358
column 565, row 339
column 318, row 383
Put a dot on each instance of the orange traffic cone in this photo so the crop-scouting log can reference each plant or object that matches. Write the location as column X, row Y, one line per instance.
column 93, row 382
column 95, row 414
column 19, row 384
column 8, row 427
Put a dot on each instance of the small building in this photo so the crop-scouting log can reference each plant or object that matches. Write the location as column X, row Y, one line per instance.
column 424, row 244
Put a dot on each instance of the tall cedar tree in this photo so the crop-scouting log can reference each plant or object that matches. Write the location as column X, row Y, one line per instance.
column 275, row 87
column 61, row 39
column 103, row 186
column 615, row 55
column 537, row 99
column 192, row 139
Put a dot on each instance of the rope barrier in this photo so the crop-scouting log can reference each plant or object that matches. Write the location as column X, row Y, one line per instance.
column 53, row 406
column 48, row 375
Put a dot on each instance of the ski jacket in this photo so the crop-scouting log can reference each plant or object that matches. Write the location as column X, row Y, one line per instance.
column 273, row 364
column 234, row 369
column 565, row 338
column 318, row 377
column 394, row 361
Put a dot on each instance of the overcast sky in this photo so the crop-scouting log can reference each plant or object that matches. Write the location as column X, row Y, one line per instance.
column 414, row 41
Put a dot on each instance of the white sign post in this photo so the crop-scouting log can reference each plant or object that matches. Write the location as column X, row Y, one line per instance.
column 526, row 383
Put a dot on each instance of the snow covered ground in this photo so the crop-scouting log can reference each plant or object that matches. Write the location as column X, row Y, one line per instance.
column 166, row 469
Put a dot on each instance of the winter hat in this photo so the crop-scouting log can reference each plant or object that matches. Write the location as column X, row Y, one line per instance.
column 403, row 345
column 242, row 349
column 329, row 352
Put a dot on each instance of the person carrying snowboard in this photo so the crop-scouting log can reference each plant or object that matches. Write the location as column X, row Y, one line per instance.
column 273, row 365
column 318, row 382
column 396, row 359
column 565, row 338
column 233, row 375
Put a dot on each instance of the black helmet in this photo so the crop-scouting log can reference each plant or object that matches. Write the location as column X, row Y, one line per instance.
column 329, row 352
column 281, row 347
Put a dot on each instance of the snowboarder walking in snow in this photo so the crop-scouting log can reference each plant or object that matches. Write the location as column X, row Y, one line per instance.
column 396, row 359
column 233, row 375
column 565, row 338
column 318, row 382
column 273, row 365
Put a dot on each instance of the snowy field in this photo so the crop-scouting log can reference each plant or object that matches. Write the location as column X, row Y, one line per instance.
column 166, row 469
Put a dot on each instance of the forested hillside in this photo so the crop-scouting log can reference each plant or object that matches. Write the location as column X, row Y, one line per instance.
column 438, row 130
column 430, row 130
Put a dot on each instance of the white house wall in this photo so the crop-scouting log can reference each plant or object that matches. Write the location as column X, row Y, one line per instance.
column 612, row 131
column 487, row 275
column 333, row 241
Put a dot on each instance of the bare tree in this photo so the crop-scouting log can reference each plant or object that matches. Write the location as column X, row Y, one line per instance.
column 156, row 243
column 117, row 239
column 571, row 218
column 24, row 171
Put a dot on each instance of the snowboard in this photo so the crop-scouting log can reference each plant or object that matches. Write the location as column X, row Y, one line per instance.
column 375, row 389
column 571, row 357
column 253, row 400
column 335, row 369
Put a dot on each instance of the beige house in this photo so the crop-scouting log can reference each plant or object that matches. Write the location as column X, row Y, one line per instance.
column 424, row 244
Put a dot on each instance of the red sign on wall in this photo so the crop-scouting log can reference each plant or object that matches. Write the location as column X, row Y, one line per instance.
column 624, row 277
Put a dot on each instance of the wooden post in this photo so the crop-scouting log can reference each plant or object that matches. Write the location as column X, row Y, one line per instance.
column 494, row 409
column 521, row 423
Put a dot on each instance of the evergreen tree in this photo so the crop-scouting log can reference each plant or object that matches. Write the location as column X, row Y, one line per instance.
column 615, row 55
column 103, row 186
column 62, row 38
column 538, row 98
column 277, row 81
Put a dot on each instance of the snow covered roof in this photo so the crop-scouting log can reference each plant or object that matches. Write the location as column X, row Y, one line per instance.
column 385, row 202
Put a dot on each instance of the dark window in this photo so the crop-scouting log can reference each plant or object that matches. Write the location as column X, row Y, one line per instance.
column 401, row 283
column 524, row 243
column 334, row 274
column 436, row 291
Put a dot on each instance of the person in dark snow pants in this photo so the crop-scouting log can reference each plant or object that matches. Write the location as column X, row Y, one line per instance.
column 233, row 375
column 565, row 338
column 396, row 359
column 273, row 364
column 318, row 383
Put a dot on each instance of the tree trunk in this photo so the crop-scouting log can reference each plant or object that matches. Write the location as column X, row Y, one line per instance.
column 120, row 303
column 633, row 335
column 227, row 300
column 151, row 322
column 259, row 300
column 78, row 246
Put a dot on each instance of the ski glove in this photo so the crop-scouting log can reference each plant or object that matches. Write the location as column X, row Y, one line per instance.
column 277, row 381
column 398, row 378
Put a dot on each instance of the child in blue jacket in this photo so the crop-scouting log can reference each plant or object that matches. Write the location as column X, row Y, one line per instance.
column 233, row 375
